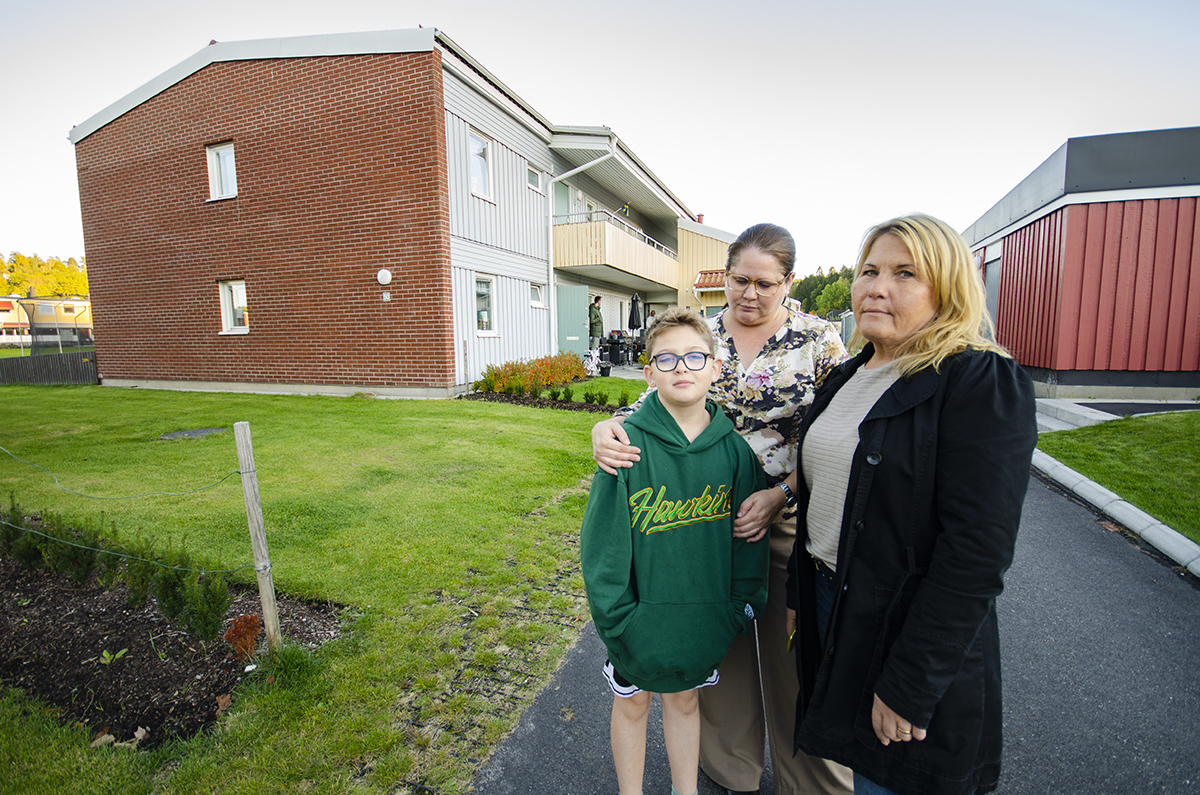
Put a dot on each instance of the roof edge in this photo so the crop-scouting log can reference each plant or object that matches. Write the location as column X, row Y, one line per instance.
column 368, row 43
column 1145, row 160
column 707, row 231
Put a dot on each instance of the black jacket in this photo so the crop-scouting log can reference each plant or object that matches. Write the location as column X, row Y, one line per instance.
column 930, row 522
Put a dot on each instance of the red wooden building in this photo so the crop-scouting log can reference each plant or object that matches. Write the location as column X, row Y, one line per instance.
column 1092, row 265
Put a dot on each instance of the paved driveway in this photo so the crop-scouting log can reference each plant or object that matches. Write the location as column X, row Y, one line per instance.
column 1101, row 651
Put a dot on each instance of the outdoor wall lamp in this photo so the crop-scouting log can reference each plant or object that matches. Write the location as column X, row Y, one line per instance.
column 384, row 276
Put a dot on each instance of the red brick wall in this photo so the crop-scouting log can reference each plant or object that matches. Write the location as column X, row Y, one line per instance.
column 341, row 170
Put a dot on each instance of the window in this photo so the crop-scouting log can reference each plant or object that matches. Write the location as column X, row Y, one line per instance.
column 222, row 174
column 235, row 316
column 535, row 179
column 485, row 320
column 536, row 295
column 68, row 309
column 481, row 165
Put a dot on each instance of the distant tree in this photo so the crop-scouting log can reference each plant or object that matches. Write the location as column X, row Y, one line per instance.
column 46, row 277
column 834, row 296
column 808, row 290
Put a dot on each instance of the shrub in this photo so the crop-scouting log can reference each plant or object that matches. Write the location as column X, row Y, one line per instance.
column 68, row 552
column 27, row 550
column 623, row 399
column 555, row 393
column 526, row 376
column 169, row 584
column 243, row 634
column 140, row 569
column 108, row 566
column 208, row 598
column 567, row 394
column 12, row 527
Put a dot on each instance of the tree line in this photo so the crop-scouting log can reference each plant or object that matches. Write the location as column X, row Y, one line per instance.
column 822, row 293
column 47, row 277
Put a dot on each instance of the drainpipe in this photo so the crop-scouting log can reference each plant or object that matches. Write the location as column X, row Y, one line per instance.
column 552, row 298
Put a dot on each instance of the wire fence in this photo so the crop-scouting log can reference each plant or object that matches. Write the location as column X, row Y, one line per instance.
column 101, row 551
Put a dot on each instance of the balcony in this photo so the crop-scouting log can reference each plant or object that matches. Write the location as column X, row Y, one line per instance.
column 601, row 245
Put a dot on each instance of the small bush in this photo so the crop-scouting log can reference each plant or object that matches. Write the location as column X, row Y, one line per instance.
column 623, row 399
column 69, row 552
column 140, row 569
column 208, row 598
column 555, row 393
column 243, row 634
column 568, row 394
column 530, row 375
column 109, row 564
column 169, row 584
column 12, row 527
column 27, row 550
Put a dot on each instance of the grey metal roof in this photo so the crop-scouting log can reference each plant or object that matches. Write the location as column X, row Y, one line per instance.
column 1097, row 163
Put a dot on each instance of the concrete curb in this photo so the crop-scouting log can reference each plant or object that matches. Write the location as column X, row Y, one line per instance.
column 1171, row 543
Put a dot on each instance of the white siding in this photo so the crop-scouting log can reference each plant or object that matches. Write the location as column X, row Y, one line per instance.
column 523, row 331
column 514, row 219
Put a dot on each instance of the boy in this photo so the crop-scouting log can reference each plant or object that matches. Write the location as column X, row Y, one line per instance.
column 668, row 585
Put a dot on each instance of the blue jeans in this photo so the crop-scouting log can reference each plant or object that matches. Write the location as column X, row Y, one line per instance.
column 825, row 592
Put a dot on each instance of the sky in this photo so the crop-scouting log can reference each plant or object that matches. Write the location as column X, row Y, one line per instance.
column 823, row 117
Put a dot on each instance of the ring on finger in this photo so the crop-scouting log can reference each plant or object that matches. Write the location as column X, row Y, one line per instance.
column 904, row 731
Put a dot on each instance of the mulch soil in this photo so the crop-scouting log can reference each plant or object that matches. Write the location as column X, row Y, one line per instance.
column 53, row 636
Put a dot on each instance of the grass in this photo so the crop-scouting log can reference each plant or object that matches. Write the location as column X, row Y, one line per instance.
column 448, row 528
column 1150, row 461
column 10, row 353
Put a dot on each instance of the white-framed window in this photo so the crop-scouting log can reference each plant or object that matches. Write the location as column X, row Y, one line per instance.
column 481, row 165
column 537, row 295
column 222, row 172
column 235, row 316
column 534, row 178
column 485, row 305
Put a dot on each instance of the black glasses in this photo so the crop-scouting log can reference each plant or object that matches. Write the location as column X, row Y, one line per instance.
column 666, row 362
column 761, row 286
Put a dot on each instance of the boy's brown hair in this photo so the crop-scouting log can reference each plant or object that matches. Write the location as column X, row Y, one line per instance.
column 674, row 318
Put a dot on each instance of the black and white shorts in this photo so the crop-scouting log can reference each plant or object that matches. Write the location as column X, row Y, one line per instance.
column 623, row 688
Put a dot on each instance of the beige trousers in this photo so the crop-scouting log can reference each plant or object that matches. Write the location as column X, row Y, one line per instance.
column 731, row 712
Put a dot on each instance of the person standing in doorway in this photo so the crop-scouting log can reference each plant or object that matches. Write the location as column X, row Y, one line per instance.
column 595, row 324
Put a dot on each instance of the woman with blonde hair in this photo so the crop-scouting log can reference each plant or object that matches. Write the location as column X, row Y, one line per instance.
column 914, row 458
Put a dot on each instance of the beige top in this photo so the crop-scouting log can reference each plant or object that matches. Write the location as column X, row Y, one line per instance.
column 828, row 452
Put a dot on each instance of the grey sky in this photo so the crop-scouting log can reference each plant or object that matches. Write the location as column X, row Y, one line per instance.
column 823, row 117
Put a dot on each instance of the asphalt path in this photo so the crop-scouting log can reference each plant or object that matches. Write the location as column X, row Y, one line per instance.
column 1100, row 642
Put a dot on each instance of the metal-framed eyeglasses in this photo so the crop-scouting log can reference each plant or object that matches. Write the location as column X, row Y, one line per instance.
column 693, row 360
column 762, row 287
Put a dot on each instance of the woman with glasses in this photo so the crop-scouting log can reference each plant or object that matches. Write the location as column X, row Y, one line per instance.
column 773, row 357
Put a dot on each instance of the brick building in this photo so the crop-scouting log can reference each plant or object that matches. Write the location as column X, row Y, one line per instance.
column 361, row 212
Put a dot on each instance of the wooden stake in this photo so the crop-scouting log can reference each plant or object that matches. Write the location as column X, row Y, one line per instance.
column 258, row 536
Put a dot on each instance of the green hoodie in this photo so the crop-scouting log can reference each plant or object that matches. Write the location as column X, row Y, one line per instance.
column 668, row 584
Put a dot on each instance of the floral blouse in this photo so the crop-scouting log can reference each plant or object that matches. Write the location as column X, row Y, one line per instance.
column 766, row 397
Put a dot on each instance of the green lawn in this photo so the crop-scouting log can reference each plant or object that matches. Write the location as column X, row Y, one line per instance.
column 1152, row 462
column 8, row 353
column 413, row 513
